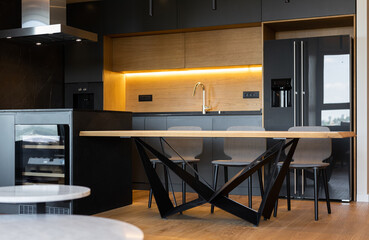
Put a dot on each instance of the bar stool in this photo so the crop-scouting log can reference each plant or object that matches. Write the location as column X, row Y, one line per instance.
column 242, row 151
column 188, row 148
column 311, row 154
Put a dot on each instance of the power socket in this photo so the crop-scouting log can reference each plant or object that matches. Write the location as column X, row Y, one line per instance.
column 251, row 94
column 145, row 98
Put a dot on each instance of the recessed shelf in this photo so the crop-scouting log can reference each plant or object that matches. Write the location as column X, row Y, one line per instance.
column 39, row 174
column 43, row 146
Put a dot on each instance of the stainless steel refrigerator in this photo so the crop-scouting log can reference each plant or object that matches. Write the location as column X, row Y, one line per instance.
column 308, row 82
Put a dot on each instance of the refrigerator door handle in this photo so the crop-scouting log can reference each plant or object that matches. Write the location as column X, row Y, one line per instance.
column 294, row 83
column 302, row 83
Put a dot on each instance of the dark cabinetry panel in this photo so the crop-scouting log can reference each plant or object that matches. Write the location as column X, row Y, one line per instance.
column 84, row 60
column 10, row 14
column 127, row 16
column 290, row 9
column 202, row 13
column 89, row 95
column 102, row 162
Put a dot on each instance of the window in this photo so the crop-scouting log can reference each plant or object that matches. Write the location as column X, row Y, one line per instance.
column 336, row 79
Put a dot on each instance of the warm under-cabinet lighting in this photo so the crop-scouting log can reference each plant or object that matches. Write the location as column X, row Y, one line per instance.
column 253, row 68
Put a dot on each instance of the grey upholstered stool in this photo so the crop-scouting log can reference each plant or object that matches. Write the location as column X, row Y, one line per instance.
column 188, row 148
column 242, row 151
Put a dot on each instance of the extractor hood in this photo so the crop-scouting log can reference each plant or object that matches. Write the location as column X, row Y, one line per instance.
column 44, row 21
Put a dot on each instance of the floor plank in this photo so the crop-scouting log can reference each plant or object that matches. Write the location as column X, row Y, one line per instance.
column 347, row 221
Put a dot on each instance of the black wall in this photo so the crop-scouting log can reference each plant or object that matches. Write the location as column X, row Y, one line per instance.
column 31, row 76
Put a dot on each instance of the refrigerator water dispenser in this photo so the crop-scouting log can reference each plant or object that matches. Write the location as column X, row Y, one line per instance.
column 281, row 92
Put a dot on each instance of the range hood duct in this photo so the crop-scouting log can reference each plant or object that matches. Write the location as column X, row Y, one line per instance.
column 44, row 21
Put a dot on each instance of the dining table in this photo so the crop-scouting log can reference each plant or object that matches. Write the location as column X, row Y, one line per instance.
column 68, row 227
column 286, row 141
column 41, row 194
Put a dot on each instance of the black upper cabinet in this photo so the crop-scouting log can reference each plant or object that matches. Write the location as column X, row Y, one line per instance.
column 127, row 16
column 292, row 9
column 203, row 13
column 84, row 60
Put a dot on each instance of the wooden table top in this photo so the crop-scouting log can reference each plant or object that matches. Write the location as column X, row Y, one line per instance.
column 235, row 134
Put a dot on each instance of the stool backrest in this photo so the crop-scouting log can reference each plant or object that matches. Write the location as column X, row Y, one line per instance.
column 244, row 149
column 188, row 148
column 312, row 150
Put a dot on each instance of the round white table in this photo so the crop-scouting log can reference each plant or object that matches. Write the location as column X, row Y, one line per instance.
column 41, row 194
column 65, row 227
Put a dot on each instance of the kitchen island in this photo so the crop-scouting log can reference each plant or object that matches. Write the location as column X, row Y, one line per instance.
column 43, row 146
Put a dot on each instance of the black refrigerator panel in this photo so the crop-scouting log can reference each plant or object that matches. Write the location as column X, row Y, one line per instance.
column 308, row 82
column 325, row 95
column 280, row 73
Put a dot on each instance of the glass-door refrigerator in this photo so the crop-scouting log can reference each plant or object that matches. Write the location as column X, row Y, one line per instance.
column 308, row 82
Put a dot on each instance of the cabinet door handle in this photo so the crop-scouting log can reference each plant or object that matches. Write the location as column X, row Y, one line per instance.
column 294, row 83
column 150, row 8
column 302, row 83
column 214, row 5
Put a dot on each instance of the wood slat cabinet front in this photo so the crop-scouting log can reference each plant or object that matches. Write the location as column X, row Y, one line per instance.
column 152, row 52
column 228, row 47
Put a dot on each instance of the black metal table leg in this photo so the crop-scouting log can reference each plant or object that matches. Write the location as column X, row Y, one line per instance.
column 218, row 198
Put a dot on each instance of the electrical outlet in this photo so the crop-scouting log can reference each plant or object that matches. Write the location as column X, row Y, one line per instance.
column 251, row 94
column 145, row 98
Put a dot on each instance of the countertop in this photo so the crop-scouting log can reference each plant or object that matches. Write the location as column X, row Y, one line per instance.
column 199, row 113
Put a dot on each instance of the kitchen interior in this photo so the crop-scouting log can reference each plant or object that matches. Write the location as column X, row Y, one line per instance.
column 153, row 65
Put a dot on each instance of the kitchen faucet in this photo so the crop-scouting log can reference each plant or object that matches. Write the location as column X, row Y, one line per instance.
column 204, row 107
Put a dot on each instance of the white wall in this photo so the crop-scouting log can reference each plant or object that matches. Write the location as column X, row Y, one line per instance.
column 362, row 100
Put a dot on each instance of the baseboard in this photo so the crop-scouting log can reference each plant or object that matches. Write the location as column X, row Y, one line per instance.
column 362, row 198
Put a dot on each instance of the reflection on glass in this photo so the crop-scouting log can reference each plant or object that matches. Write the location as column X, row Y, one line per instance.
column 335, row 117
column 336, row 78
column 27, row 132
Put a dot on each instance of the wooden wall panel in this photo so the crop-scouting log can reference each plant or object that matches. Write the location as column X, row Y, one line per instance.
column 114, row 83
column 321, row 32
column 164, row 51
column 173, row 92
column 228, row 47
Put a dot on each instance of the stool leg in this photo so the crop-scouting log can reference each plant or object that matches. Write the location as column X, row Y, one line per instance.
column 260, row 176
column 215, row 179
column 166, row 178
column 183, row 186
column 325, row 181
column 250, row 191
column 197, row 170
column 275, row 208
column 150, row 194
column 226, row 176
column 316, row 193
column 288, row 185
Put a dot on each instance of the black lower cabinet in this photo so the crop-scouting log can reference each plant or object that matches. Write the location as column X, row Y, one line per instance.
column 102, row 164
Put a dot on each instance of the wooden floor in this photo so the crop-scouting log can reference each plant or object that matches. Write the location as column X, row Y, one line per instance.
column 347, row 221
